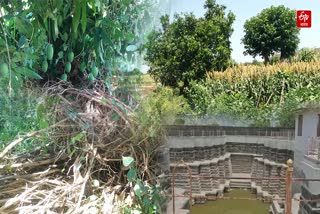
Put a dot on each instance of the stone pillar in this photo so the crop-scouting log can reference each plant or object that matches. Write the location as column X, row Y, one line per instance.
column 205, row 182
column 254, row 169
column 265, row 183
column 207, row 153
column 273, row 154
column 282, row 183
column 195, row 181
column 173, row 155
column 214, row 169
column 180, row 176
column 221, row 171
column 227, row 164
column 260, row 171
column 273, row 184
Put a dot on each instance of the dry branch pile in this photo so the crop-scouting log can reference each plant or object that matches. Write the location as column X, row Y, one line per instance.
column 82, row 170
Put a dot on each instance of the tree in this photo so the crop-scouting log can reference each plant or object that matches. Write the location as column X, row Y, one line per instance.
column 271, row 31
column 188, row 47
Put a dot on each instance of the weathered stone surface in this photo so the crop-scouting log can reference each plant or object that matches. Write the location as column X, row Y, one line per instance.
column 210, row 152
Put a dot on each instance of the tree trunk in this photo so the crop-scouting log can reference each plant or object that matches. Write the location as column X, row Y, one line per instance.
column 283, row 57
column 266, row 59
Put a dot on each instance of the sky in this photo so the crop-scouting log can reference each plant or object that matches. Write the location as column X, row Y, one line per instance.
column 245, row 9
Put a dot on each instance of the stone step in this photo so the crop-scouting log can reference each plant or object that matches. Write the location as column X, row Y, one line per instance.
column 238, row 183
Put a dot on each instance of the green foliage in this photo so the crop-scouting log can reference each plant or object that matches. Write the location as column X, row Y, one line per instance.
column 127, row 161
column 306, row 55
column 198, row 96
column 188, row 47
column 271, row 31
column 65, row 31
column 4, row 70
column 149, row 198
column 262, row 99
column 275, row 59
column 21, row 113
column 160, row 107
column 231, row 105
column 91, row 77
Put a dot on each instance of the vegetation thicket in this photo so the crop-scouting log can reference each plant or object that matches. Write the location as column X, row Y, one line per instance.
column 71, row 40
column 70, row 137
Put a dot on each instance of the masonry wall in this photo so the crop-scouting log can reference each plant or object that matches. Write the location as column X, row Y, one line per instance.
column 200, row 169
column 209, row 152
column 265, row 168
column 309, row 129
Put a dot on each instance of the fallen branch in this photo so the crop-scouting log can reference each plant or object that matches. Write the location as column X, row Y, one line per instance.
column 29, row 176
column 33, row 164
column 86, row 178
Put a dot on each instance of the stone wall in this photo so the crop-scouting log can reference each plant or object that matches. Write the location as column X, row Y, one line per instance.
column 202, row 185
column 209, row 152
column 266, row 168
column 309, row 207
column 205, row 130
column 241, row 163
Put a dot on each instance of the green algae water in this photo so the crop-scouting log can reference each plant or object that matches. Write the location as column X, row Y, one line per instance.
column 233, row 206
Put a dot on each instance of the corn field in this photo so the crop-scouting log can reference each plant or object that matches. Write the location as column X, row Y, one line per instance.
column 237, row 72
column 257, row 93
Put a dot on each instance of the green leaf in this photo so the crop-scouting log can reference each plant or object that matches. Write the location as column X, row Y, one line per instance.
column 40, row 111
column 98, row 4
column 23, row 26
column 43, row 124
column 104, row 100
column 76, row 18
column 147, row 203
column 115, row 117
column 56, row 29
column 132, row 175
column 22, row 42
column 127, row 161
column 137, row 190
column 78, row 137
column 84, row 16
column 41, row 116
column 131, row 48
column 27, row 72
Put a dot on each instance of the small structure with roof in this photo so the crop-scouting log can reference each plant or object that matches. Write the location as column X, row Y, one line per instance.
column 307, row 156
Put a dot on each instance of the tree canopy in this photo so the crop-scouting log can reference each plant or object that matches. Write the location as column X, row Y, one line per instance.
column 271, row 31
column 186, row 48
column 71, row 40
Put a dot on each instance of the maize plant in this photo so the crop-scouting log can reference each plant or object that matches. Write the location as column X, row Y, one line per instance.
column 257, row 93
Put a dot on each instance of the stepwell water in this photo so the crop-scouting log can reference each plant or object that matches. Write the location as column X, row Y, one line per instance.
column 234, row 206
